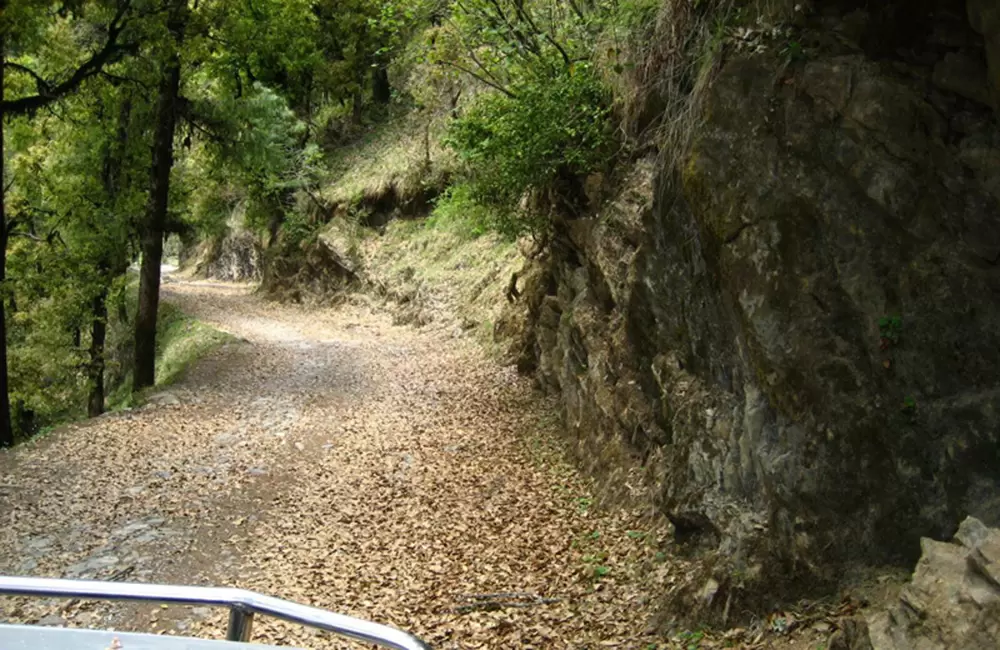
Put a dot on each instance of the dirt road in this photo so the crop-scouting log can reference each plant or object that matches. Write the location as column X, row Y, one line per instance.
column 337, row 460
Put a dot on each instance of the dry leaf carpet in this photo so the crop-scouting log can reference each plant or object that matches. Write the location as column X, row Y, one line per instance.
column 334, row 459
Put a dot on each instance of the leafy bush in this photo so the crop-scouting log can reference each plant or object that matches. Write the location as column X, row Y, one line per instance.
column 546, row 129
column 457, row 211
column 298, row 228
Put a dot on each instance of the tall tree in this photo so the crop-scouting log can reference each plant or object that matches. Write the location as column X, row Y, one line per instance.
column 47, row 91
column 159, row 196
column 6, row 430
column 113, row 259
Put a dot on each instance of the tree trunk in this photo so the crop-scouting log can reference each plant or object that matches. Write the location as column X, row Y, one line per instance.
column 357, row 108
column 112, row 266
column 98, row 335
column 381, row 90
column 6, row 431
column 156, row 212
column 274, row 222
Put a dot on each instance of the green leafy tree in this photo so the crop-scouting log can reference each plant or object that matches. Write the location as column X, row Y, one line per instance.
column 72, row 230
column 256, row 156
column 209, row 54
column 47, row 57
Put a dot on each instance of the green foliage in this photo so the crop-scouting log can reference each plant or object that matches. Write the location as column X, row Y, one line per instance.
column 316, row 51
column 299, row 229
column 260, row 81
column 631, row 15
column 890, row 329
column 48, row 364
column 550, row 129
column 546, row 121
column 273, row 42
column 211, row 208
column 457, row 211
column 78, row 175
column 500, row 42
column 691, row 640
column 181, row 341
column 72, row 206
column 794, row 51
column 246, row 173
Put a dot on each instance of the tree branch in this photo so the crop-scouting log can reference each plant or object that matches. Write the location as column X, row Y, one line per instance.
column 480, row 78
column 41, row 84
column 118, row 79
column 27, row 235
column 209, row 127
column 576, row 10
column 526, row 16
column 527, row 44
column 50, row 92
column 491, row 79
column 326, row 209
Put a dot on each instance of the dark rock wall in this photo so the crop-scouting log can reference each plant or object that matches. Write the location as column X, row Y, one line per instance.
column 314, row 271
column 235, row 258
column 797, row 333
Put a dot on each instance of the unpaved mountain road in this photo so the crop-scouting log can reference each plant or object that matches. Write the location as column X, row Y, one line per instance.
column 337, row 460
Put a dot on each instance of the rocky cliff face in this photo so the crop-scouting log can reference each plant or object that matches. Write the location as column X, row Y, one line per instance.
column 796, row 334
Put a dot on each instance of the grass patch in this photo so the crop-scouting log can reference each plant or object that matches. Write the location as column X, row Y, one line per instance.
column 180, row 342
column 445, row 268
column 400, row 155
column 458, row 213
column 459, row 272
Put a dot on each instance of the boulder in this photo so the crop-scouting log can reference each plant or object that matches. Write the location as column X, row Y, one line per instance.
column 953, row 600
column 322, row 269
column 234, row 257
column 965, row 75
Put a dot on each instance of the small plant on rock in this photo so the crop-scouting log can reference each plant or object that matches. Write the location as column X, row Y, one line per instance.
column 890, row 329
column 691, row 640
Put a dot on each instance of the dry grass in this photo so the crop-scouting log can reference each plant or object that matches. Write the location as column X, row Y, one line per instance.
column 673, row 59
column 434, row 273
column 400, row 156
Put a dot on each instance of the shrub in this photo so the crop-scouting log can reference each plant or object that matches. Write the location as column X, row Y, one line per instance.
column 456, row 211
column 546, row 129
column 298, row 228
